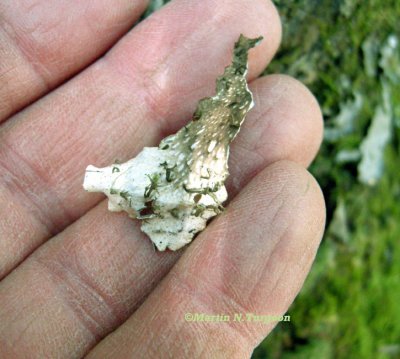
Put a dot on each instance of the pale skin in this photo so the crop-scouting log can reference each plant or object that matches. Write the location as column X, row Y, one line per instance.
column 79, row 85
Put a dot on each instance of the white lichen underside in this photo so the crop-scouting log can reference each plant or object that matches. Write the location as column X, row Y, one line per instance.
column 176, row 187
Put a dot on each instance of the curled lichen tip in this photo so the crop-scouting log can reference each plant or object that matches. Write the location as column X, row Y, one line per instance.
column 240, row 52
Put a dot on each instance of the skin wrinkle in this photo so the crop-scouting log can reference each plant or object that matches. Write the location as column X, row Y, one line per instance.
column 163, row 65
column 67, row 275
column 16, row 42
column 267, row 264
column 300, row 263
column 149, row 81
column 19, row 318
column 178, row 325
column 224, row 260
column 50, row 226
column 33, row 5
column 158, row 346
column 252, row 140
column 29, row 38
column 34, row 208
column 130, row 229
column 257, row 143
column 43, row 41
column 185, row 286
column 16, row 317
column 13, row 230
column 276, row 89
column 239, row 342
column 6, row 350
column 230, row 305
column 32, row 198
column 319, row 230
column 91, row 23
column 9, row 100
column 14, row 343
column 234, row 184
column 78, row 247
column 216, row 250
column 110, row 117
column 270, row 231
column 289, row 89
column 85, row 281
column 118, row 308
column 152, row 98
column 11, row 69
column 32, row 55
column 241, row 309
column 203, row 296
column 200, row 33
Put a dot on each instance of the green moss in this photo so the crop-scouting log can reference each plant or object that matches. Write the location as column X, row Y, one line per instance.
column 348, row 307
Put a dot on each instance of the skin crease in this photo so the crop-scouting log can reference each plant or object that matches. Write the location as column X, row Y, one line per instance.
column 35, row 34
column 72, row 273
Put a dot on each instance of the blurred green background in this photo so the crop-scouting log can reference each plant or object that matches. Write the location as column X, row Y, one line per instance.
column 348, row 53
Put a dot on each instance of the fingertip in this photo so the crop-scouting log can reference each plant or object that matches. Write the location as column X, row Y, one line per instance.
column 285, row 124
column 271, row 31
column 293, row 115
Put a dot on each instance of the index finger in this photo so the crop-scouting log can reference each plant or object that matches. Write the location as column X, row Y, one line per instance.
column 44, row 42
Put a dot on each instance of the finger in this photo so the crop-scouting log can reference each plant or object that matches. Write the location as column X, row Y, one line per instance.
column 64, row 298
column 114, row 108
column 286, row 119
column 286, row 123
column 96, row 272
column 44, row 42
column 252, row 259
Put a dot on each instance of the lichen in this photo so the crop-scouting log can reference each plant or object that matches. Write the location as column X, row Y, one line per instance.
column 177, row 187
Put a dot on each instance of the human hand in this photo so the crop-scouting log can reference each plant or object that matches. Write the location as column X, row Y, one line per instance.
column 79, row 280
